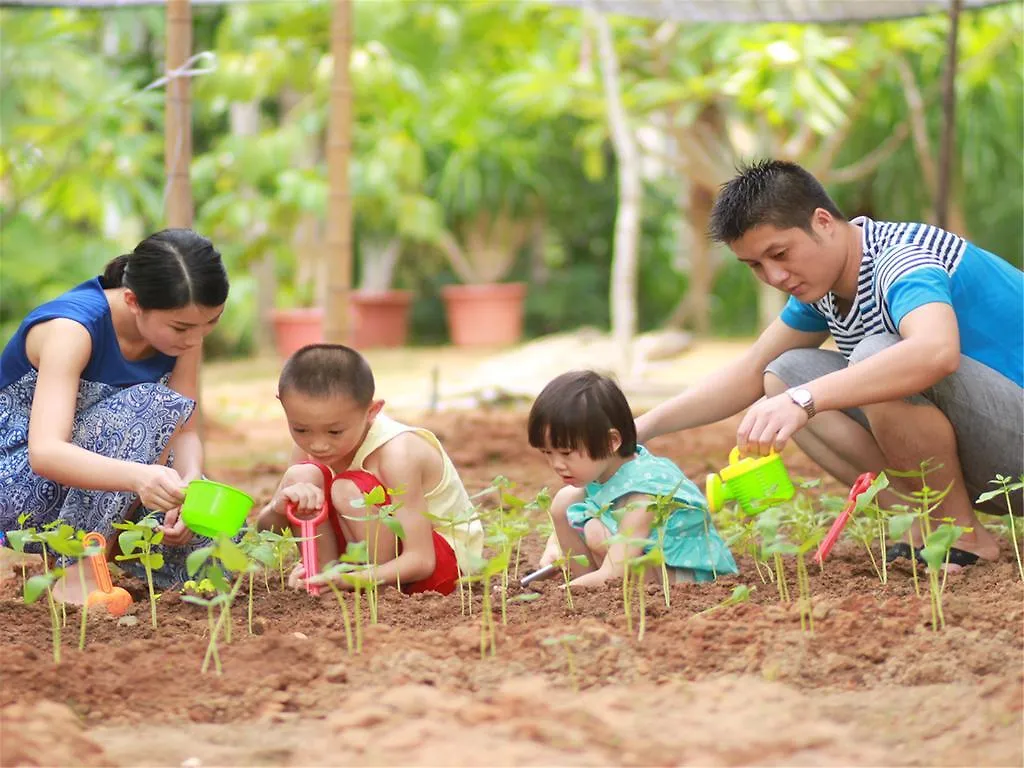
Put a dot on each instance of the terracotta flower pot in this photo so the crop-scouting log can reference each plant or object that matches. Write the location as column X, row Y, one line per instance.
column 488, row 315
column 295, row 328
column 380, row 318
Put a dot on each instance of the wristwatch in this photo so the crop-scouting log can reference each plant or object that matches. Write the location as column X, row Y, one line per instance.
column 804, row 399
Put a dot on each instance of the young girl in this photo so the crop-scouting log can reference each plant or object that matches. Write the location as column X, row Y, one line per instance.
column 583, row 425
column 346, row 447
column 97, row 388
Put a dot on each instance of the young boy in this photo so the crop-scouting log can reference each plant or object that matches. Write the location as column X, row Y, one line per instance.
column 345, row 447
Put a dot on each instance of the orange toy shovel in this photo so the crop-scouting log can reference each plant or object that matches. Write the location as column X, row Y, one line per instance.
column 115, row 599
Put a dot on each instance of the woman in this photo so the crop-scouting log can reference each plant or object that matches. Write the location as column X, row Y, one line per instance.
column 97, row 390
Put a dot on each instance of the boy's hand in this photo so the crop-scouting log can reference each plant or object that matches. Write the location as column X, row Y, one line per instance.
column 306, row 497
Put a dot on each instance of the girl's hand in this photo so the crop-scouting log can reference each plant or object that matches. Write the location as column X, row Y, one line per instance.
column 297, row 578
column 552, row 552
column 159, row 488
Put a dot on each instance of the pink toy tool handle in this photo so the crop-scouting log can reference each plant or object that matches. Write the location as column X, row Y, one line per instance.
column 98, row 563
column 307, row 531
column 863, row 483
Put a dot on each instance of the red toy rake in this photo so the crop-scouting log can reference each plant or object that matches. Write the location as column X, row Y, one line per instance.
column 863, row 483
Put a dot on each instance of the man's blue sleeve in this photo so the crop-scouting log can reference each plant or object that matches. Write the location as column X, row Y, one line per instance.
column 803, row 317
column 924, row 285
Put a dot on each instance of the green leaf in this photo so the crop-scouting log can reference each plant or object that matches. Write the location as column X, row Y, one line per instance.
column 900, row 524
column 36, row 585
column 197, row 558
column 395, row 526
column 128, row 540
column 154, row 560
column 18, row 539
column 375, row 497
column 231, row 555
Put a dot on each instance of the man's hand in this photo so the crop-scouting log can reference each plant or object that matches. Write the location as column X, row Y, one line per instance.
column 768, row 424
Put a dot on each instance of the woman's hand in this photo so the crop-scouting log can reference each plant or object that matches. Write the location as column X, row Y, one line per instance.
column 159, row 488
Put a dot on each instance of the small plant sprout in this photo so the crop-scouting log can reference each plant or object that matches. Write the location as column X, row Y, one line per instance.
column 773, row 543
column 566, row 642
column 137, row 540
column 17, row 539
column 634, row 576
column 663, row 507
column 484, row 571
column 1005, row 489
column 285, row 548
column 260, row 556
column 211, row 562
column 450, row 525
column 564, row 564
column 345, row 568
column 740, row 594
column 900, row 523
column 936, row 553
column 383, row 514
column 34, row 587
column 63, row 540
column 806, row 526
column 868, row 522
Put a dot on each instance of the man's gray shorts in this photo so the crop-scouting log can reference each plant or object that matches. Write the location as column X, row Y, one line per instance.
column 985, row 408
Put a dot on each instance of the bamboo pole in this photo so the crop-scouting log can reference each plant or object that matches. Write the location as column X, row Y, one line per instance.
column 178, row 117
column 339, row 201
column 947, row 146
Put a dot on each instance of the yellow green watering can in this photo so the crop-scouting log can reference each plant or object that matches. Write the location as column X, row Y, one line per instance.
column 753, row 483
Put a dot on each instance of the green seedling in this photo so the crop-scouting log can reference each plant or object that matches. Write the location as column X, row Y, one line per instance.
column 34, row 587
column 564, row 564
column 900, row 523
column 868, row 522
column 768, row 526
column 285, row 548
column 1005, row 489
column 740, row 594
column 936, row 553
column 65, row 541
column 566, row 642
column 346, row 568
column 136, row 541
column 260, row 556
column 212, row 563
column 634, row 576
column 204, row 588
column 483, row 571
column 17, row 539
column 451, row 525
column 383, row 515
column 806, row 525
column 212, row 651
column 663, row 507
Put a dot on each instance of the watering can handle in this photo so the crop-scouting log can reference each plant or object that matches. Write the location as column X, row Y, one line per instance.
column 734, row 454
column 98, row 563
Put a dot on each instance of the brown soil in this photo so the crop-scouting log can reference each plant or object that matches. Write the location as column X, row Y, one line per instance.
column 873, row 685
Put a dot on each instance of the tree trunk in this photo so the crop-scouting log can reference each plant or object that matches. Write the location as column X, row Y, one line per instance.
column 379, row 258
column 245, row 121
column 178, row 117
column 627, row 217
column 694, row 310
column 339, row 205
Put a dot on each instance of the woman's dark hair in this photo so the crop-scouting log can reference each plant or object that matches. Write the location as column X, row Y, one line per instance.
column 577, row 410
column 772, row 192
column 328, row 370
column 171, row 269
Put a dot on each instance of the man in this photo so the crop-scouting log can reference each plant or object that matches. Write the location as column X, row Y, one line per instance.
column 930, row 332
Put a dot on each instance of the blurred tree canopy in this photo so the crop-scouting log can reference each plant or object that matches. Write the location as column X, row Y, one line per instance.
column 481, row 148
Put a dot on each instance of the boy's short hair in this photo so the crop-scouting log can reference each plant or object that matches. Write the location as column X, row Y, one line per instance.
column 327, row 370
column 768, row 192
column 576, row 410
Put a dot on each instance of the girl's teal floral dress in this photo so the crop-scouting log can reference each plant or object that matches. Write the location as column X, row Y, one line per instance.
column 690, row 539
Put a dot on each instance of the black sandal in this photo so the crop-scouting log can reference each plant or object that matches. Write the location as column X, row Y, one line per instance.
column 960, row 557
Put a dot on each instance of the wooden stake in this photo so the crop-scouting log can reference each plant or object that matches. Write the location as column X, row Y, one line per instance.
column 947, row 146
column 178, row 117
column 339, row 201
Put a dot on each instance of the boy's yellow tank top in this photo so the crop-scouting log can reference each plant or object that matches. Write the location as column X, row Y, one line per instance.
column 447, row 501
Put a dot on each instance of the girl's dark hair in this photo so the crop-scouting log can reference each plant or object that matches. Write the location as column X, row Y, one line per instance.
column 772, row 192
column 328, row 370
column 577, row 410
column 171, row 269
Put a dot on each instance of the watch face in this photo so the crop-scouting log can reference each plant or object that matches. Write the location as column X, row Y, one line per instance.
column 802, row 396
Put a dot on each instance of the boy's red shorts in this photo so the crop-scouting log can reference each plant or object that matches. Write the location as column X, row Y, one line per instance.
column 446, row 569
